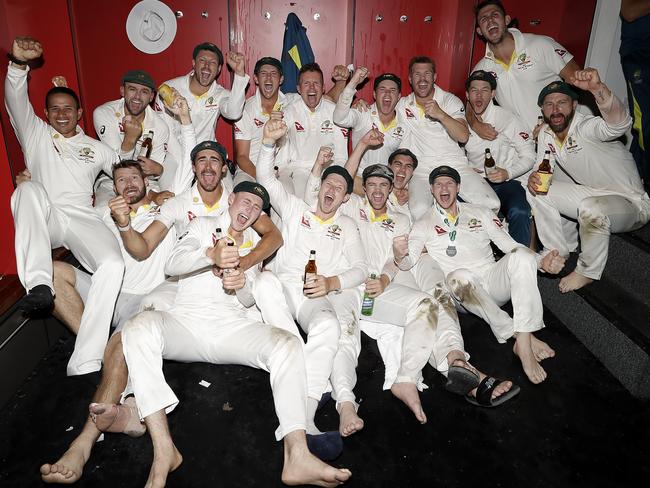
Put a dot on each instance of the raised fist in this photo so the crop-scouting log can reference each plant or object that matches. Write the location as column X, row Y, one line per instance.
column 26, row 48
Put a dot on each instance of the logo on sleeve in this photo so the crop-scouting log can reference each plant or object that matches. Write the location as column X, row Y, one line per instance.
column 493, row 73
column 498, row 223
column 258, row 122
column 305, row 222
column 551, row 148
column 183, row 235
column 560, row 52
column 102, row 129
column 439, row 230
column 237, row 129
column 299, row 128
column 524, row 135
column 362, row 215
column 345, row 132
column 409, row 114
column 190, row 216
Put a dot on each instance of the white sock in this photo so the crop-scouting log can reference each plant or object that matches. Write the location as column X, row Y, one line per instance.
column 312, row 406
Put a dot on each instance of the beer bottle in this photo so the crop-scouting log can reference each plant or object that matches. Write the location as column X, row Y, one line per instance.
column 368, row 302
column 147, row 145
column 166, row 94
column 489, row 164
column 545, row 173
column 310, row 268
column 540, row 120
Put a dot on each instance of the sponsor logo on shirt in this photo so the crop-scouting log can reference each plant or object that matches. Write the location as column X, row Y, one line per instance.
column 86, row 154
column 439, row 230
column 305, row 222
column 474, row 225
column 524, row 135
column 183, row 235
column 498, row 223
column 560, row 52
column 102, row 129
column 362, row 215
column 237, row 129
column 551, row 148
column 258, row 122
column 326, row 127
column 409, row 114
column 334, row 232
column 299, row 128
column 190, row 216
column 345, row 132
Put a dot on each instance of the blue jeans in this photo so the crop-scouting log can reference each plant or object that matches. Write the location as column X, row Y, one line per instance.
column 514, row 206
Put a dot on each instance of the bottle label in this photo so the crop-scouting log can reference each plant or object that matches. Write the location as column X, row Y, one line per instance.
column 309, row 277
column 545, row 183
column 490, row 170
column 367, row 305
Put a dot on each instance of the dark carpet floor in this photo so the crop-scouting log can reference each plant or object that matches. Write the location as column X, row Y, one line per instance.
column 580, row 428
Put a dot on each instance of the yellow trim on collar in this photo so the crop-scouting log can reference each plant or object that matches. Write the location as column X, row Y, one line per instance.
column 322, row 222
column 144, row 208
column 385, row 128
column 507, row 66
column 212, row 208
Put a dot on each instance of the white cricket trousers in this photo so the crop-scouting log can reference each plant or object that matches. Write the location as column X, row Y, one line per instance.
column 323, row 320
column 42, row 226
column 482, row 291
column 152, row 336
column 599, row 213
column 473, row 189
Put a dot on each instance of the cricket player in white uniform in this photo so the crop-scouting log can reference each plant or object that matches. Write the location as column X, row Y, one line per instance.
column 435, row 125
column 55, row 208
column 522, row 64
column 123, row 125
column 327, row 307
column 429, row 322
column 381, row 115
column 71, row 287
column 513, row 151
column 595, row 179
column 268, row 100
column 207, row 323
column 457, row 236
column 311, row 126
column 403, row 163
column 208, row 99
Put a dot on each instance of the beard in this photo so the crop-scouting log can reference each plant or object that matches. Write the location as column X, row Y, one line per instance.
column 563, row 124
column 135, row 198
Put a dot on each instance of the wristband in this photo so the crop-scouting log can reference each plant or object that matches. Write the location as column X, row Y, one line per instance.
column 270, row 146
column 123, row 229
column 15, row 60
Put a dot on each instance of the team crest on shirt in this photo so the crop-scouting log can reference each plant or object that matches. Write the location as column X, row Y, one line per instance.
column 524, row 62
column 474, row 225
column 572, row 145
column 326, row 127
column 305, row 222
column 211, row 103
column 362, row 215
column 398, row 132
column 439, row 230
column 258, row 122
column 524, row 135
column 299, row 128
column 334, row 232
column 409, row 114
column 86, row 154
column 388, row 225
column 190, row 216
column 560, row 52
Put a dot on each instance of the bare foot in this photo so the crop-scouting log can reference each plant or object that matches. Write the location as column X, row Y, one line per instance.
column 349, row 421
column 541, row 350
column 408, row 393
column 109, row 417
column 303, row 468
column 524, row 351
column 68, row 468
column 573, row 281
column 165, row 460
column 501, row 388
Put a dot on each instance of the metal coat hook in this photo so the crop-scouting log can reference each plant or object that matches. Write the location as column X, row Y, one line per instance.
column 267, row 15
column 379, row 18
column 428, row 19
column 179, row 14
column 204, row 14
column 403, row 18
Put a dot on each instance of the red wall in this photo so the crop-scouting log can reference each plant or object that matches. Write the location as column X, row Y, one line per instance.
column 566, row 21
column 389, row 44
